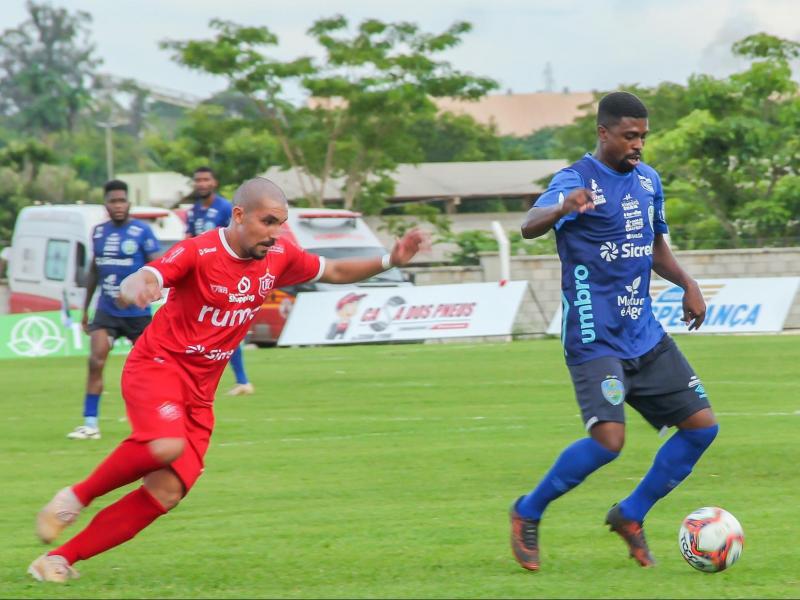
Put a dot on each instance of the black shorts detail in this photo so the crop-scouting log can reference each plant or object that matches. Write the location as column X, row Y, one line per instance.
column 117, row 327
column 661, row 385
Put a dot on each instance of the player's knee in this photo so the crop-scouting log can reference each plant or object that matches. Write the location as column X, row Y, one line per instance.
column 97, row 362
column 610, row 436
column 167, row 489
column 167, row 450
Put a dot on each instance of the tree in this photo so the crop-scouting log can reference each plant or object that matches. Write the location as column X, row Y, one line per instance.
column 46, row 67
column 236, row 148
column 369, row 87
column 27, row 173
column 727, row 149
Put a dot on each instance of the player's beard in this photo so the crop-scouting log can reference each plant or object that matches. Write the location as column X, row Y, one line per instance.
column 260, row 251
column 121, row 219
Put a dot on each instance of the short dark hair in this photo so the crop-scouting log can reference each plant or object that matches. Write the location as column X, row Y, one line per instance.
column 617, row 105
column 208, row 170
column 115, row 184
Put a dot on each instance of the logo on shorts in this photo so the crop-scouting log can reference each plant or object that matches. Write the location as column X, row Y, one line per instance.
column 697, row 385
column 613, row 390
column 169, row 411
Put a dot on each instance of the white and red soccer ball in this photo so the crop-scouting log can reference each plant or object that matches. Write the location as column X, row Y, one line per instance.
column 711, row 539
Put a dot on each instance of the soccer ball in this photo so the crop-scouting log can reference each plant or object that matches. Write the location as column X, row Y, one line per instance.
column 711, row 539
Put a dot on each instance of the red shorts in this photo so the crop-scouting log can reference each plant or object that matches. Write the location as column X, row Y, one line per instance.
column 162, row 401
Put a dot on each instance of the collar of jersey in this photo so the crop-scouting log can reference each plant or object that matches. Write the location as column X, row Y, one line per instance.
column 227, row 247
column 607, row 169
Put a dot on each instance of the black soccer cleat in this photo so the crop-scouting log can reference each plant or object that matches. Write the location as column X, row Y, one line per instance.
column 633, row 534
column 524, row 539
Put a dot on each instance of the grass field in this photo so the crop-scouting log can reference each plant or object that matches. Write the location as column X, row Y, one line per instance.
column 387, row 471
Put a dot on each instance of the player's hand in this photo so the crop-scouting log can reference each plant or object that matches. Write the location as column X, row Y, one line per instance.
column 694, row 306
column 579, row 200
column 407, row 246
column 140, row 288
column 85, row 323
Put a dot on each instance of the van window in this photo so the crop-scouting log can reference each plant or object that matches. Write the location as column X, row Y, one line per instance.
column 56, row 259
column 80, row 264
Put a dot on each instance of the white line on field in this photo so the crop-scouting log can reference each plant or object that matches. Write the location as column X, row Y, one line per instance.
column 334, row 438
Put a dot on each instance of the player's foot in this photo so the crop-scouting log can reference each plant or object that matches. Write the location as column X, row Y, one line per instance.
column 524, row 539
column 84, row 432
column 53, row 568
column 61, row 511
column 241, row 389
column 633, row 534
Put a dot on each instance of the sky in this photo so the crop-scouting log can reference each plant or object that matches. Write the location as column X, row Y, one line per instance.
column 589, row 44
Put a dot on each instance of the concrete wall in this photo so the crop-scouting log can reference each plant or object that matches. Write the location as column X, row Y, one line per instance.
column 544, row 276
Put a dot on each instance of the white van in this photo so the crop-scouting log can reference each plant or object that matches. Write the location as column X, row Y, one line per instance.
column 51, row 248
column 327, row 232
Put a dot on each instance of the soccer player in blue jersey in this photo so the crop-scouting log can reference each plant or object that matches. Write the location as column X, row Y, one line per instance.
column 121, row 246
column 209, row 211
column 608, row 213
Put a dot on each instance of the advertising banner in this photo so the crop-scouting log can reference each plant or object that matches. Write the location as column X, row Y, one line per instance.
column 361, row 315
column 746, row 305
column 40, row 334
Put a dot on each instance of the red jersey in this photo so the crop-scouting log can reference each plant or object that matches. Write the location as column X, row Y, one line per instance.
column 214, row 294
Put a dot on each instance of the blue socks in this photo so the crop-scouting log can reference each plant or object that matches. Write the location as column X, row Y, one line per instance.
column 576, row 463
column 91, row 406
column 237, row 364
column 673, row 463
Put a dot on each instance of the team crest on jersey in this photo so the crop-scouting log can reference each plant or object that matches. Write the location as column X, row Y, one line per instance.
column 647, row 183
column 265, row 283
column 244, row 285
column 129, row 247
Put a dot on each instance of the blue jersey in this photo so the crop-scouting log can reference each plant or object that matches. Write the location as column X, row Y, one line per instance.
column 201, row 219
column 120, row 250
column 606, row 258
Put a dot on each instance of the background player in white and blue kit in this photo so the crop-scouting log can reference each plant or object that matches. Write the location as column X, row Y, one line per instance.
column 608, row 213
column 209, row 211
column 120, row 246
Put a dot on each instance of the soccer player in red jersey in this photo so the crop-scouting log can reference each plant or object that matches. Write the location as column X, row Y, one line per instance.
column 217, row 283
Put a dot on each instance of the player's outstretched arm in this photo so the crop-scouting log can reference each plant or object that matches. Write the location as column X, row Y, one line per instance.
column 540, row 220
column 666, row 265
column 351, row 270
column 140, row 288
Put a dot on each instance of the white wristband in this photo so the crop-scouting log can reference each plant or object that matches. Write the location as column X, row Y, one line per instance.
column 386, row 262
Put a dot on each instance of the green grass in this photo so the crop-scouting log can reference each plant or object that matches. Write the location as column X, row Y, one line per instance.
column 387, row 471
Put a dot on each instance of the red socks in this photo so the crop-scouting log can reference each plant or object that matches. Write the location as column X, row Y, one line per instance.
column 129, row 462
column 113, row 525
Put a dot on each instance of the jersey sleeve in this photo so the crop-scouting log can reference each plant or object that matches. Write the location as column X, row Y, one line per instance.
column 301, row 266
column 659, row 218
column 190, row 222
column 175, row 264
column 149, row 241
column 560, row 186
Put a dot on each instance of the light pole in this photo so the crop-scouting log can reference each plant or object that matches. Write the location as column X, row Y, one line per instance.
column 108, row 126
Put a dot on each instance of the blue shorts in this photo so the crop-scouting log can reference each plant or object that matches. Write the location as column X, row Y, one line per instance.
column 660, row 385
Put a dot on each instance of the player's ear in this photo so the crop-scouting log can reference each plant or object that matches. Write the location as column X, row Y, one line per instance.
column 237, row 214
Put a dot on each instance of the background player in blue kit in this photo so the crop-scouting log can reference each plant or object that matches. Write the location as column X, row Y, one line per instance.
column 608, row 213
column 209, row 211
column 120, row 246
